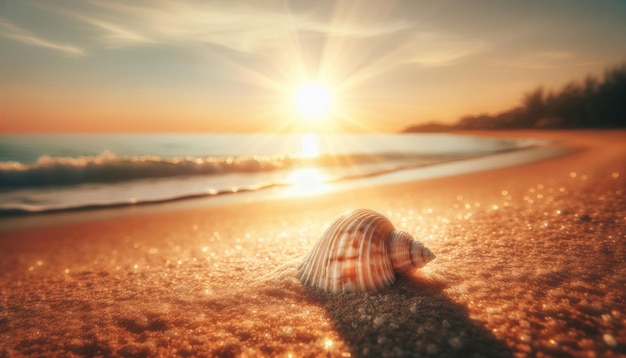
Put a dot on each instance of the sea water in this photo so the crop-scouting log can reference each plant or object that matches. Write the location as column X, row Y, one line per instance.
column 42, row 173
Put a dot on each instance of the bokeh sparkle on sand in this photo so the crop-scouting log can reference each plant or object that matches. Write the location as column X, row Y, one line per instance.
column 530, row 261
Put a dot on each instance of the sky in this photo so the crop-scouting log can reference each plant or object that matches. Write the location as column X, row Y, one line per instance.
column 71, row 66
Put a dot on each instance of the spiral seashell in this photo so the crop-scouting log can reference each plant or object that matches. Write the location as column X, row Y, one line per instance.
column 361, row 251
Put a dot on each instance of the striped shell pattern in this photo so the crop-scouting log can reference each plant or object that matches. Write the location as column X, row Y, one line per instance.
column 361, row 251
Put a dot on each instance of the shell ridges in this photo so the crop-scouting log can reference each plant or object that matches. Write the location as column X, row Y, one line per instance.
column 360, row 251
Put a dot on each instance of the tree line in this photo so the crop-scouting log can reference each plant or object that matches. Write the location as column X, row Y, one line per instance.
column 592, row 103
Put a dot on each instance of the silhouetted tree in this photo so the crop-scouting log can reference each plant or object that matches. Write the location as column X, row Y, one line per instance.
column 611, row 98
column 591, row 104
column 534, row 106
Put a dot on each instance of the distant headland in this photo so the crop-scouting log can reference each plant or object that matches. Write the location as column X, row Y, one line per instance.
column 591, row 103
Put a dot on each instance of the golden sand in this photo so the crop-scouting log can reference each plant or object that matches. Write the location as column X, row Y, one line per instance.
column 531, row 260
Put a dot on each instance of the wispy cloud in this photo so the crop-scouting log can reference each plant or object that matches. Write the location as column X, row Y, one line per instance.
column 116, row 35
column 437, row 50
column 242, row 28
column 113, row 34
column 18, row 34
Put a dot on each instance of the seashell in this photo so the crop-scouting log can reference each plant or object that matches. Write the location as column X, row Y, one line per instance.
column 361, row 251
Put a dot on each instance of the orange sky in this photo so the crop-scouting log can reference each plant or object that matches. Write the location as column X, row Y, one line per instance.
column 198, row 66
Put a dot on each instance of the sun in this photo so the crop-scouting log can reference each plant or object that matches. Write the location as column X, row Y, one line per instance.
column 313, row 100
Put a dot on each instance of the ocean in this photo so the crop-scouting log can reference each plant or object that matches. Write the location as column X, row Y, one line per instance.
column 45, row 173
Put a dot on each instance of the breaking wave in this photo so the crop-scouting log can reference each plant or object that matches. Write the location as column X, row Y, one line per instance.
column 109, row 168
column 61, row 183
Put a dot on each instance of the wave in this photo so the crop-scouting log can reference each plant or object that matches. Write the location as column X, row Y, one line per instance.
column 109, row 168
column 27, row 205
column 25, row 209
column 106, row 180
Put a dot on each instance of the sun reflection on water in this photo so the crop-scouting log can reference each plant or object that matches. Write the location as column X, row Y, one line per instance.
column 307, row 180
column 307, row 177
column 310, row 148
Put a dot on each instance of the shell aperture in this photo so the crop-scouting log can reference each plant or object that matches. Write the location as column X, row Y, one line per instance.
column 361, row 251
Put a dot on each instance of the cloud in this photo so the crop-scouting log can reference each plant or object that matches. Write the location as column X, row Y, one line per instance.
column 436, row 50
column 112, row 34
column 116, row 35
column 18, row 34
column 242, row 28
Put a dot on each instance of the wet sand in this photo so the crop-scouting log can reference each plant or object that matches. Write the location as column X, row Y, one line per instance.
column 531, row 261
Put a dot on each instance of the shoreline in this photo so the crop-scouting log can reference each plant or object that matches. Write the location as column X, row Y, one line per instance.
column 16, row 218
column 530, row 261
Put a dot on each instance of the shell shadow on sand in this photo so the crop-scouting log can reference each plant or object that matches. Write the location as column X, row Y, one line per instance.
column 411, row 318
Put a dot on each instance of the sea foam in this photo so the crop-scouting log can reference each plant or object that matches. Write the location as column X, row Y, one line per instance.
column 109, row 168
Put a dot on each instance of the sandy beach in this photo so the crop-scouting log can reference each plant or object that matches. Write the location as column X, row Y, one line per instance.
column 531, row 261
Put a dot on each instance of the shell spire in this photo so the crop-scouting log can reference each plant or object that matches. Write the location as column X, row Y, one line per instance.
column 361, row 251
